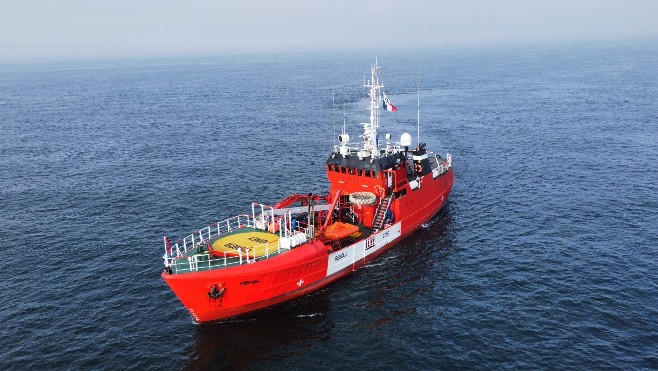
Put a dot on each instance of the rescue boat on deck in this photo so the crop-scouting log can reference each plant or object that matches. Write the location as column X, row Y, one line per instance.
column 377, row 197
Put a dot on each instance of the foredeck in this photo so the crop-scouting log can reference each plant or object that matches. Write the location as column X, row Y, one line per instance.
column 242, row 239
column 236, row 247
column 246, row 239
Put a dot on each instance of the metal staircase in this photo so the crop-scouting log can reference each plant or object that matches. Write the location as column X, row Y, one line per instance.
column 380, row 215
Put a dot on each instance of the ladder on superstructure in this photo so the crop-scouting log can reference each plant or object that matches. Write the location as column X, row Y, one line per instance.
column 382, row 209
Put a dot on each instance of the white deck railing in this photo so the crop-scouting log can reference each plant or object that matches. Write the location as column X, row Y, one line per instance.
column 177, row 261
column 196, row 262
column 354, row 149
column 441, row 166
column 206, row 234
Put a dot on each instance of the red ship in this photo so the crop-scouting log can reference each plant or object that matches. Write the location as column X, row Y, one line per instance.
column 377, row 197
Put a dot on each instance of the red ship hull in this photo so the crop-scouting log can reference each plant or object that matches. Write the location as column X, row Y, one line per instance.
column 378, row 196
column 308, row 267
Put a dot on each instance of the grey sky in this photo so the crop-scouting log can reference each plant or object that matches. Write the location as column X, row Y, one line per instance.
column 32, row 30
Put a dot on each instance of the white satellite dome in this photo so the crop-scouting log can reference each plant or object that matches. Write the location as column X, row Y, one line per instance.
column 405, row 140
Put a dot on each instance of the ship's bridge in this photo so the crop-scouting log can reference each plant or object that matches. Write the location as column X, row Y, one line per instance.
column 353, row 161
column 351, row 173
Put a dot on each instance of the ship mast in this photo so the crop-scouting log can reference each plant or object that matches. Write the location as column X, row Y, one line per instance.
column 370, row 147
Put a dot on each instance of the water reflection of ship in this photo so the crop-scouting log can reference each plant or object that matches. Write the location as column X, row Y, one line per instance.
column 433, row 239
column 397, row 290
column 264, row 336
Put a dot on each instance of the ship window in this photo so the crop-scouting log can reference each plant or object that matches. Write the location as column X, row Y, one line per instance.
column 360, row 172
column 343, row 170
column 367, row 173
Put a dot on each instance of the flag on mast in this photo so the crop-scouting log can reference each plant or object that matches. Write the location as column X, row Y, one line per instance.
column 388, row 106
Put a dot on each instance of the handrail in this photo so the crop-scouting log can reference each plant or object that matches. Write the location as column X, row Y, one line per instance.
column 181, row 247
column 199, row 237
column 395, row 147
column 441, row 167
column 209, row 262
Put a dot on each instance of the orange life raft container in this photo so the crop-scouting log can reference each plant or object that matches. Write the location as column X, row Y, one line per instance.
column 340, row 230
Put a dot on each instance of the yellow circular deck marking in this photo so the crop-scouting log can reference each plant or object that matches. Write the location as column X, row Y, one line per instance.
column 246, row 242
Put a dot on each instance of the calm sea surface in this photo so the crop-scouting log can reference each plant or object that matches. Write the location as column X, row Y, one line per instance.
column 545, row 256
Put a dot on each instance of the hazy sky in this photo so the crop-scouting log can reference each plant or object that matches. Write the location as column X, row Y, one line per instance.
column 32, row 30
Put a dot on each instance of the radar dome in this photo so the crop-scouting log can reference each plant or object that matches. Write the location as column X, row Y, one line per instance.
column 405, row 140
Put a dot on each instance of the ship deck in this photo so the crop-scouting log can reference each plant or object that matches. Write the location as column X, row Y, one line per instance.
column 240, row 246
column 363, row 232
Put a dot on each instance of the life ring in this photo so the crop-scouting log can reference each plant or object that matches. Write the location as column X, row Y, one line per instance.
column 363, row 198
column 418, row 167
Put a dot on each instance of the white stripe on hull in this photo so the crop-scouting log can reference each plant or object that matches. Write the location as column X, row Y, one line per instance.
column 343, row 258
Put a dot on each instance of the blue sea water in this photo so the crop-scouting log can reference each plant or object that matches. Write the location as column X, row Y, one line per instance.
column 545, row 256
